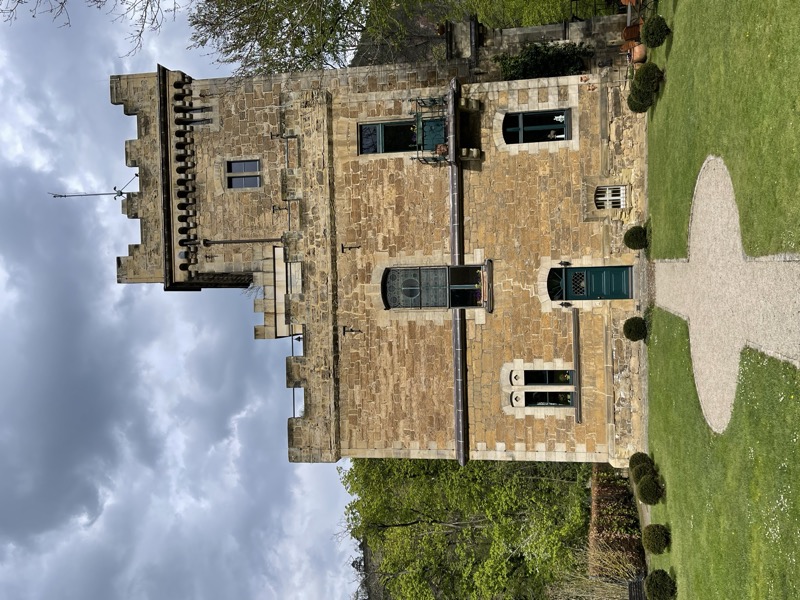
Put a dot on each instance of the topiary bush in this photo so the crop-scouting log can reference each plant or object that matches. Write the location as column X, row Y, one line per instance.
column 658, row 585
column 635, row 329
column 656, row 538
column 637, row 458
column 641, row 470
column 655, row 31
column 638, row 105
column 636, row 238
column 648, row 77
column 649, row 489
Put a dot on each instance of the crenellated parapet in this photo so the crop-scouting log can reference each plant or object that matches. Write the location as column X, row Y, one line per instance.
column 314, row 437
column 138, row 94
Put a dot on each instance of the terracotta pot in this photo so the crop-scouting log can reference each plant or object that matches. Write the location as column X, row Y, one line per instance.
column 639, row 53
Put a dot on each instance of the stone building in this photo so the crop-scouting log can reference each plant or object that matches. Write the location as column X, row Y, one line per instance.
column 448, row 245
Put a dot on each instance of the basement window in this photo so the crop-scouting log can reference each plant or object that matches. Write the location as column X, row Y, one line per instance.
column 609, row 196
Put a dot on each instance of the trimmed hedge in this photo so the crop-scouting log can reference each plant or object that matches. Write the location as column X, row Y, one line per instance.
column 641, row 470
column 658, row 585
column 656, row 538
column 649, row 490
column 636, row 238
column 635, row 329
column 637, row 458
column 655, row 31
column 644, row 87
column 637, row 105
column 648, row 77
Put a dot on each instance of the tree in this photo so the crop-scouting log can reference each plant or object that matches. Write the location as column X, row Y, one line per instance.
column 275, row 36
column 144, row 15
column 487, row 530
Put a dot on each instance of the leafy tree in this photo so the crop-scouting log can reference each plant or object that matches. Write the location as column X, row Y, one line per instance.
column 143, row 15
column 487, row 530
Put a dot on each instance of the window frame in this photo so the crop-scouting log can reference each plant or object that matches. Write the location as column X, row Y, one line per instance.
column 519, row 128
column 521, row 393
column 439, row 295
column 414, row 124
column 610, row 197
column 243, row 174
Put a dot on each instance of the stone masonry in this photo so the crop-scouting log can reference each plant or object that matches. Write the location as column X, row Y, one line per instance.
column 315, row 236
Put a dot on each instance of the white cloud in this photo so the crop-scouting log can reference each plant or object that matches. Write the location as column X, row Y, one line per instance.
column 162, row 407
column 23, row 136
column 9, row 295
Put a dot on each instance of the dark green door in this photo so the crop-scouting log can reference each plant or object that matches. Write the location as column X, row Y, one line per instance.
column 589, row 283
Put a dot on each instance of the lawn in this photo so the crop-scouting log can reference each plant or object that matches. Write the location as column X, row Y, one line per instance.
column 733, row 500
column 731, row 90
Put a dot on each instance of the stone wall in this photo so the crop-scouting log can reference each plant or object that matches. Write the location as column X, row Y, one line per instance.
column 379, row 383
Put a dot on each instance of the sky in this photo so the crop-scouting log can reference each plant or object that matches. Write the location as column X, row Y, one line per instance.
column 143, row 444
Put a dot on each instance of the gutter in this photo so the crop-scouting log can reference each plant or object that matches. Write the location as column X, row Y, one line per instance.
column 460, row 416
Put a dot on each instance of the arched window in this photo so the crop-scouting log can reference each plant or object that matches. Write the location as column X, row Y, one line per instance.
column 536, row 127
column 432, row 287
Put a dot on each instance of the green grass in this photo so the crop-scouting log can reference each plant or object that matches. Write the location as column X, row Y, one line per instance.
column 731, row 72
column 733, row 499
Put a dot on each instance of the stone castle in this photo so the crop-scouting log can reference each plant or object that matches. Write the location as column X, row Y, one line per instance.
column 448, row 245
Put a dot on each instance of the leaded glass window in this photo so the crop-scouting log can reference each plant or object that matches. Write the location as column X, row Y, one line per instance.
column 432, row 287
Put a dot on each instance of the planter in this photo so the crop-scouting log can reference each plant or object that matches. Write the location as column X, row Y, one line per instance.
column 639, row 53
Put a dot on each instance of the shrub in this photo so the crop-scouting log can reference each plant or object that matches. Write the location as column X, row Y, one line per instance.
column 655, row 31
column 636, row 238
column 637, row 458
column 641, row 470
column 655, row 538
column 658, row 585
column 649, row 489
column 545, row 60
column 637, row 105
column 635, row 329
column 648, row 77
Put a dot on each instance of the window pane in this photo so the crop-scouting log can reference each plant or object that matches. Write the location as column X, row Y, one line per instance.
column 368, row 139
column 465, row 286
column 433, row 133
column 434, row 286
column 243, row 166
column 249, row 181
column 399, row 137
column 403, row 288
column 548, row 398
column 533, row 127
column 548, row 377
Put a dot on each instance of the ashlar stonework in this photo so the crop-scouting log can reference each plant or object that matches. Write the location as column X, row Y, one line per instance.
column 447, row 245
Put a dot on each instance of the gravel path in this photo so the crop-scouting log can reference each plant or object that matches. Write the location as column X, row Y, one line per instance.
column 729, row 299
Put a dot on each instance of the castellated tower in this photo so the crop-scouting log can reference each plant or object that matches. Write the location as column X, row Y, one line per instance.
column 220, row 206
column 449, row 246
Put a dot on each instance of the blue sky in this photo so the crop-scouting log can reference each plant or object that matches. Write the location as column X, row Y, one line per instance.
column 143, row 434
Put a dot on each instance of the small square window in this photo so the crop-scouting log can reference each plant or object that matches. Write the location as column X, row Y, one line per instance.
column 243, row 174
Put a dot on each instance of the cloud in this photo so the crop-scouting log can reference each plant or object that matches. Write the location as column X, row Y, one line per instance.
column 143, row 434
